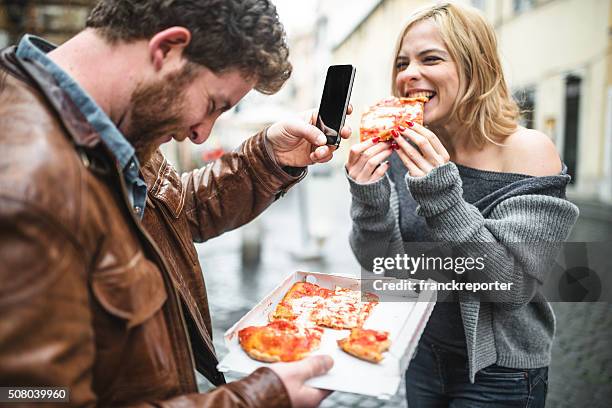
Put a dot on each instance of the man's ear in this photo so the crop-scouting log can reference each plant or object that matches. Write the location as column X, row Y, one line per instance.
column 166, row 47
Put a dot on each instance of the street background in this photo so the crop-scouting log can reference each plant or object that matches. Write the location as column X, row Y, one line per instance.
column 557, row 60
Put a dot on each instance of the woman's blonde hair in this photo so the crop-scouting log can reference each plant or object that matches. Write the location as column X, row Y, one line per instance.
column 486, row 109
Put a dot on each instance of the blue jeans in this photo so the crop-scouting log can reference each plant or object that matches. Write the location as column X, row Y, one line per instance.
column 440, row 379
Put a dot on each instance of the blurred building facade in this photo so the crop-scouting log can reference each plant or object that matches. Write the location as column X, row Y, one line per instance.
column 556, row 55
column 55, row 20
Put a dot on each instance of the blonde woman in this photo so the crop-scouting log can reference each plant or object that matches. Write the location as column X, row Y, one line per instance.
column 477, row 176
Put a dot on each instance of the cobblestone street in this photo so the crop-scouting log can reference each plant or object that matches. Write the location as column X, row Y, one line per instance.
column 582, row 364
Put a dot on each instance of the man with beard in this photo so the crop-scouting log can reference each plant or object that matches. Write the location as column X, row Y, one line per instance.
column 100, row 287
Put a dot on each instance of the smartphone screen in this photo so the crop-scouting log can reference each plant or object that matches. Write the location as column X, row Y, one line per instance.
column 335, row 100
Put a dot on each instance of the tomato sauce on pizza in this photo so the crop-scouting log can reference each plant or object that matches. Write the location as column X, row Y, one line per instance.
column 389, row 113
column 296, row 324
column 280, row 340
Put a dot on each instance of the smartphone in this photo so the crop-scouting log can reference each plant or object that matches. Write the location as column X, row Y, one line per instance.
column 334, row 101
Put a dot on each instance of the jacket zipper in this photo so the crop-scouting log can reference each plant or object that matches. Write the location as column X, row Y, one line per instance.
column 172, row 295
column 185, row 332
column 207, row 342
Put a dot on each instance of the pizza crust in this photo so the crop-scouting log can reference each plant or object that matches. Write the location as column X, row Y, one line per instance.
column 262, row 356
column 360, row 352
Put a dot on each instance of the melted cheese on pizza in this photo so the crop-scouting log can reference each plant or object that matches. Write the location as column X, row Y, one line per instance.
column 295, row 327
column 340, row 309
column 387, row 114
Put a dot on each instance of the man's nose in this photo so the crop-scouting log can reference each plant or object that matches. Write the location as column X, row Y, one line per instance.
column 200, row 133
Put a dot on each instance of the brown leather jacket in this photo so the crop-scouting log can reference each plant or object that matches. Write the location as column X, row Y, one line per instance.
column 91, row 300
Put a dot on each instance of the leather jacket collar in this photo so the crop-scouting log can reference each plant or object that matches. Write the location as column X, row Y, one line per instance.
column 83, row 135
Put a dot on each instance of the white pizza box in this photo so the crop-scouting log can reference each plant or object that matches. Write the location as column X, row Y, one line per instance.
column 403, row 318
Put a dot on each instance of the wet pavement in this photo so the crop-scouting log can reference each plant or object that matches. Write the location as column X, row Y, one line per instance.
column 582, row 362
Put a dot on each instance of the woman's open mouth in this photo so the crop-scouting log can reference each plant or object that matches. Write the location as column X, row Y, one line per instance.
column 421, row 94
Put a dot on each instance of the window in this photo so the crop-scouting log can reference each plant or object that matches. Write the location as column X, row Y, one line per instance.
column 520, row 6
column 573, row 86
column 58, row 19
column 4, row 39
column 525, row 98
column 479, row 4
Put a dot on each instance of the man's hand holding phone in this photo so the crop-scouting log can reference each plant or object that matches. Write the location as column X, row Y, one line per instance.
column 298, row 142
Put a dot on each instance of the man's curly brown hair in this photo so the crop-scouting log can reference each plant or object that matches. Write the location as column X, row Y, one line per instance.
column 225, row 34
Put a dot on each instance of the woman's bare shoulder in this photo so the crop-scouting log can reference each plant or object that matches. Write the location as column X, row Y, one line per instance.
column 531, row 152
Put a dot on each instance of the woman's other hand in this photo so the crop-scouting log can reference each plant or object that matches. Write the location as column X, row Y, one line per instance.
column 429, row 155
column 367, row 160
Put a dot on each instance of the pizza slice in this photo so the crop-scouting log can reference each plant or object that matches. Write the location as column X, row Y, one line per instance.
column 387, row 114
column 301, row 300
column 280, row 340
column 304, row 289
column 311, row 305
column 345, row 309
column 366, row 344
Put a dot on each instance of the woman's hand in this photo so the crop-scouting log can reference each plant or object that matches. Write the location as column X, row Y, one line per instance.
column 365, row 161
column 431, row 155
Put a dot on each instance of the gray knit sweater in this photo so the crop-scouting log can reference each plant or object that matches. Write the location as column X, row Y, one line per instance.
column 515, row 330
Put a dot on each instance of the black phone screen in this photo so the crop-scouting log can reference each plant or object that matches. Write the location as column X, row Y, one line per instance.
column 336, row 94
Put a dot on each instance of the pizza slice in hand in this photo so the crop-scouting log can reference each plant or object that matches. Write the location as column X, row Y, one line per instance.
column 366, row 344
column 387, row 114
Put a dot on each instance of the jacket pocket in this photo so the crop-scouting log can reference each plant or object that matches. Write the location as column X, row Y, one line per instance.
column 133, row 347
column 133, row 292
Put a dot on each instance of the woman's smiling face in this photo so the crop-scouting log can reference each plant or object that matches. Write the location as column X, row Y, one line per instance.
column 425, row 68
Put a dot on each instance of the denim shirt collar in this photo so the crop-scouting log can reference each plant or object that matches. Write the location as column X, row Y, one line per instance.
column 36, row 49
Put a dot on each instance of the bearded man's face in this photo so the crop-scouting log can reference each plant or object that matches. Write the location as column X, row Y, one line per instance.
column 181, row 105
column 157, row 113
